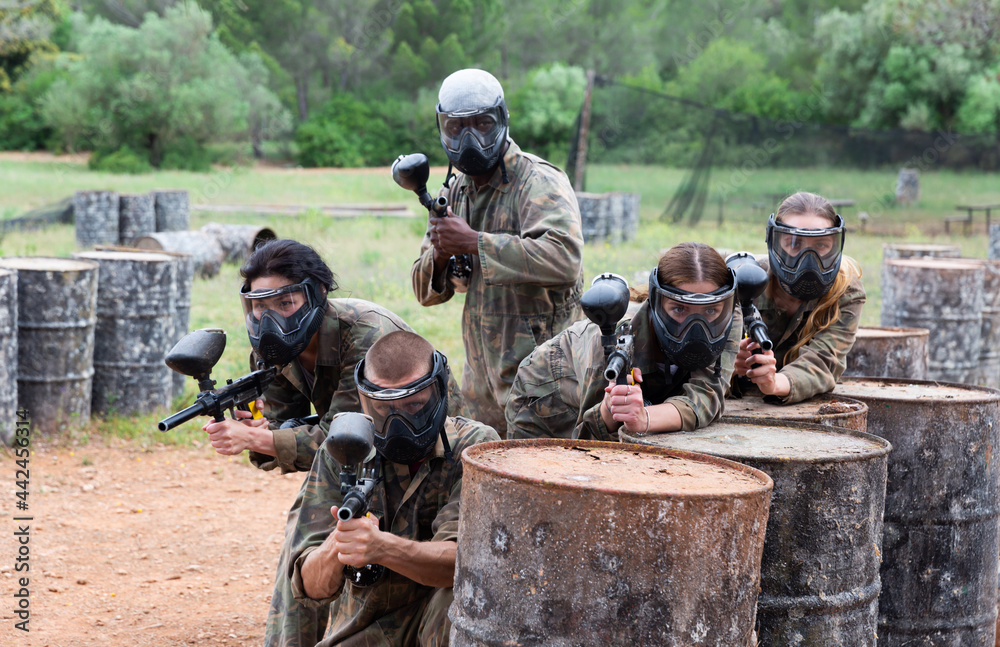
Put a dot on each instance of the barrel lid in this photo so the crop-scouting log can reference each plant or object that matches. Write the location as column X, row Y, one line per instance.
column 46, row 264
column 874, row 388
column 874, row 332
column 923, row 247
column 141, row 256
column 928, row 262
column 780, row 441
column 822, row 406
column 619, row 468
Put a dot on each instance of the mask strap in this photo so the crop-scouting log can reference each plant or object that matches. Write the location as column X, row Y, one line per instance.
column 447, row 446
column 503, row 171
column 448, row 177
column 718, row 367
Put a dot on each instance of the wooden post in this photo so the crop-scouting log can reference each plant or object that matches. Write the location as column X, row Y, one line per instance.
column 581, row 145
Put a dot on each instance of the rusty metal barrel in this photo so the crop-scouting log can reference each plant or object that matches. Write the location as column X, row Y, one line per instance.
column 824, row 409
column 95, row 217
column 134, row 308
column 889, row 352
column 989, row 354
column 920, row 250
column 204, row 248
column 173, row 209
column 820, row 569
column 136, row 217
column 940, row 542
column 57, row 315
column 8, row 356
column 946, row 297
column 566, row 542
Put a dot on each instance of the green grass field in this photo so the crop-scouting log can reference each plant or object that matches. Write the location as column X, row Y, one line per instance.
column 371, row 256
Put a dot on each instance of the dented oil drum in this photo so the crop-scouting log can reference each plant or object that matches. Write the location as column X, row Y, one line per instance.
column 946, row 297
column 820, row 569
column 567, row 542
column 8, row 356
column 889, row 352
column 989, row 354
column 57, row 314
column 238, row 241
column 134, row 327
column 824, row 409
column 940, row 543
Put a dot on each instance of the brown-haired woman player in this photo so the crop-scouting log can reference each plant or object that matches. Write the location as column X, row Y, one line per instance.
column 686, row 335
column 812, row 303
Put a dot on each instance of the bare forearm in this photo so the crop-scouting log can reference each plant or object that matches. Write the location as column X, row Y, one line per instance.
column 431, row 563
column 261, row 440
column 664, row 417
column 322, row 573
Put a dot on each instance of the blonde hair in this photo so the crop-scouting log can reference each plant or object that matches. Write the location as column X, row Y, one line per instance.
column 828, row 309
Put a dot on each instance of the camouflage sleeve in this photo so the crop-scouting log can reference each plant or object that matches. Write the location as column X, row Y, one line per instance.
column 549, row 249
column 823, row 359
column 554, row 395
column 430, row 284
column 282, row 402
column 470, row 432
column 313, row 521
column 704, row 394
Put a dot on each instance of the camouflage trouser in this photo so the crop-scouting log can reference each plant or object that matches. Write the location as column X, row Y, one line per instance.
column 435, row 626
column 424, row 623
column 289, row 623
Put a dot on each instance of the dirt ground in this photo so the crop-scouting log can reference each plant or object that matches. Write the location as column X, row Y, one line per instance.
column 161, row 547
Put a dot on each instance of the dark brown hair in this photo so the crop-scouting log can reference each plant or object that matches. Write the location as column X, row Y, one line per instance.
column 397, row 355
column 804, row 203
column 289, row 259
column 687, row 263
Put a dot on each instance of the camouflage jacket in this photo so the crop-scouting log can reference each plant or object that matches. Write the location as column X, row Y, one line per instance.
column 526, row 280
column 426, row 508
column 349, row 328
column 559, row 387
column 823, row 359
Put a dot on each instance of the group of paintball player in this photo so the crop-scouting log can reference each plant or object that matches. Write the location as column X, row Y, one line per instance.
column 510, row 239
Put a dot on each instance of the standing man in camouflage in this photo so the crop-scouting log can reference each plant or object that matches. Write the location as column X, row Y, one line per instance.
column 515, row 220
column 388, row 576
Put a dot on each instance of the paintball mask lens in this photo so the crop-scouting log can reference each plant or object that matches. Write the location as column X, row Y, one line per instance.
column 286, row 307
column 791, row 245
column 680, row 311
column 413, row 413
column 485, row 127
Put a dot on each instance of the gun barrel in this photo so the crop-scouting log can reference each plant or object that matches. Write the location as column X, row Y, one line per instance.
column 616, row 364
column 759, row 334
column 182, row 416
column 353, row 506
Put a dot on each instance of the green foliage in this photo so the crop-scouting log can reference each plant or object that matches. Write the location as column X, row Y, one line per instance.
column 122, row 160
column 980, row 111
column 543, row 111
column 164, row 90
column 352, row 132
column 26, row 29
column 22, row 126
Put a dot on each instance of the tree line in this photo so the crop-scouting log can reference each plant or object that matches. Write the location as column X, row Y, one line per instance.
column 169, row 83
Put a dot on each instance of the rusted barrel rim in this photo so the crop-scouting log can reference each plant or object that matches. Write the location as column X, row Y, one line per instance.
column 470, row 454
column 819, row 399
column 988, row 394
column 913, row 331
column 883, row 449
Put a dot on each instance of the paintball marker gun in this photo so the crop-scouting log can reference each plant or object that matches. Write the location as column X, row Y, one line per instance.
column 605, row 303
column 195, row 355
column 751, row 279
column 351, row 442
column 411, row 173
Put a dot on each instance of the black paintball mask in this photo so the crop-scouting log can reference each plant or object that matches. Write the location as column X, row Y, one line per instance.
column 408, row 419
column 805, row 261
column 692, row 327
column 472, row 120
column 282, row 321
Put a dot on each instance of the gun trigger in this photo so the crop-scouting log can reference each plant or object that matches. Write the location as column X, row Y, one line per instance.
column 255, row 411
